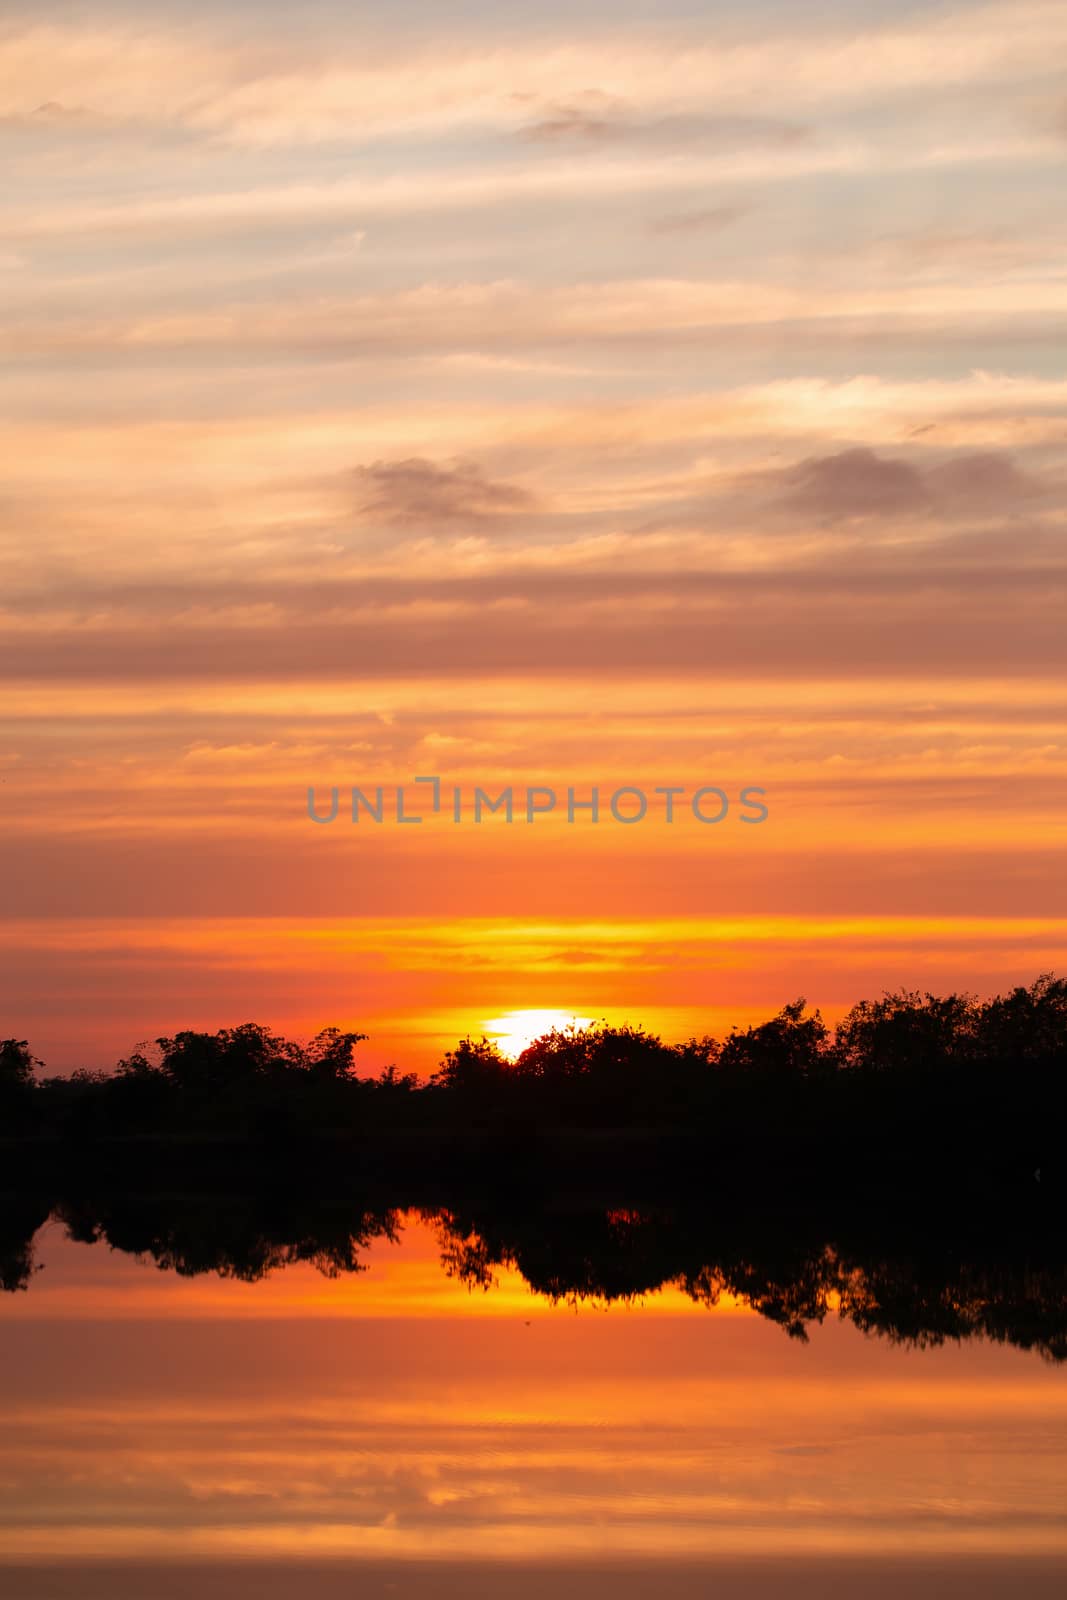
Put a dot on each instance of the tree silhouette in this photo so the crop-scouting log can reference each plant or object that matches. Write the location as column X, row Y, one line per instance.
column 960, row 1091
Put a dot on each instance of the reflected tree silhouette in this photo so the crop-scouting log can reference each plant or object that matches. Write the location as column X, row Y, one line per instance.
column 241, row 1236
column 885, row 1171
column 792, row 1272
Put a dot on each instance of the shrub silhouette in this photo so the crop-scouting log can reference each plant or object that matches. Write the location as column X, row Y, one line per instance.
column 946, row 1082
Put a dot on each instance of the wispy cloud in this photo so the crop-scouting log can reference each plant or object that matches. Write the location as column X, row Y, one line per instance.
column 698, row 220
column 417, row 492
column 602, row 119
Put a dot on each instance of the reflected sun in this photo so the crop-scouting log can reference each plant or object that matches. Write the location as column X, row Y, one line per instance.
column 512, row 1032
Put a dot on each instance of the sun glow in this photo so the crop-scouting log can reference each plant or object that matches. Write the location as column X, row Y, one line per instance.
column 516, row 1029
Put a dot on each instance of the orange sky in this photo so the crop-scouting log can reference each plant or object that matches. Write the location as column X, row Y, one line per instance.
column 551, row 421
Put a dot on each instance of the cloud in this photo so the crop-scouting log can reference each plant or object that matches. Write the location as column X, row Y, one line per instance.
column 58, row 118
column 822, row 621
column 855, row 483
column 982, row 478
column 420, row 491
column 596, row 118
column 504, row 314
column 861, row 483
column 709, row 218
column 592, row 116
column 205, row 77
column 55, row 111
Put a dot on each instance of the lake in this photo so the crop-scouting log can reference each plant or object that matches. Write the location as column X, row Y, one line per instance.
column 413, row 1428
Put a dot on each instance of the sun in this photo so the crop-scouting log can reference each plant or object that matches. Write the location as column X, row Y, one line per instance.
column 512, row 1032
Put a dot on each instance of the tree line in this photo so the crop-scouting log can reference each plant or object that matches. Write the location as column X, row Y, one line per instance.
column 908, row 1076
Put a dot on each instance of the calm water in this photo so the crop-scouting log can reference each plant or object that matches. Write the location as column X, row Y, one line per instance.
column 395, row 1431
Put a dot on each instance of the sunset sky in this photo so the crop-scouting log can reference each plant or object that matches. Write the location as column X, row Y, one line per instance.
column 594, row 394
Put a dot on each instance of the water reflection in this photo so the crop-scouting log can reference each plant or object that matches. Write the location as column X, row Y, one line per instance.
column 259, row 1392
column 914, row 1284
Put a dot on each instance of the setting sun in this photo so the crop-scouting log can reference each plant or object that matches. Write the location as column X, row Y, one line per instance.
column 515, row 1030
